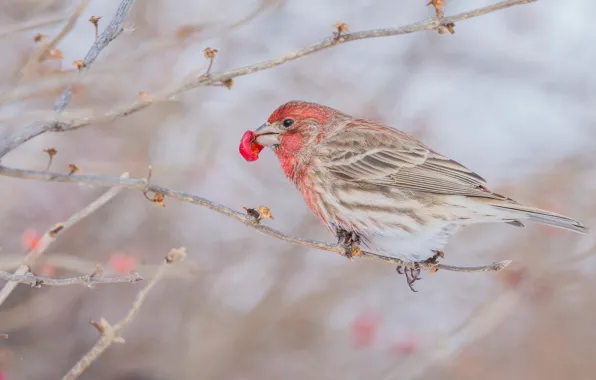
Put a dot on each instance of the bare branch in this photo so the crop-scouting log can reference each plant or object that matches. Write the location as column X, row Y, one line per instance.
column 90, row 280
column 107, row 36
column 21, row 136
column 63, row 32
column 111, row 334
column 246, row 218
column 48, row 238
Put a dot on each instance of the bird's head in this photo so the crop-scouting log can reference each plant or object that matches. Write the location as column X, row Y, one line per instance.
column 290, row 130
column 292, row 126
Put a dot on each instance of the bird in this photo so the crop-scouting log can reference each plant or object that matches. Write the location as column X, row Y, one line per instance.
column 375, row 186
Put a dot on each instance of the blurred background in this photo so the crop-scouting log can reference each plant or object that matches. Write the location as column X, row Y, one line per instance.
column 511, row 95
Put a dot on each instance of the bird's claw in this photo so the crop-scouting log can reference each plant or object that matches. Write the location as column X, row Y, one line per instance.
column 412, row 274
column 349, row 240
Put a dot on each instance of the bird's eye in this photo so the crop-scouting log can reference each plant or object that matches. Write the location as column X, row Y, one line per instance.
column 287, row 123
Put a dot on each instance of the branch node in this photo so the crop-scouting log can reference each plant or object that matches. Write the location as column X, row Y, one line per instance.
column 209, row 54
column 97, row 272
column 158, row 197
column 55, row 230
column 258, row 214
column 176, row 254
column 72, row 169
column 95, row 21
column 51, row 153
column 79, row 64
column 340, row 28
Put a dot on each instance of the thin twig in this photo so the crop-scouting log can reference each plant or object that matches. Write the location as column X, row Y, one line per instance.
column 250, row 221
column 103, row 40
column 111, row 334
column 38, row 281
column 63, row 32
column 25, row 134
column 51, row 235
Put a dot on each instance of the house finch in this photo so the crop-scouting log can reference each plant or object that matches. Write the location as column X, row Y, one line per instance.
column 375, row 185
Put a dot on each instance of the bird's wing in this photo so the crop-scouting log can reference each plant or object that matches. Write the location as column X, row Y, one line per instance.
column 375, row 154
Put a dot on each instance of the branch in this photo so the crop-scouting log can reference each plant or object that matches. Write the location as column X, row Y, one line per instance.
column 248, row 220
column 103, row 40
column 63, row 32
column 48, row 238
column 90, row 280
column 19, row 137
column 111, row 334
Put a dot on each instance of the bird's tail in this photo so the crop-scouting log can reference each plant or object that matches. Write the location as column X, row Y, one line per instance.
column 540, row 216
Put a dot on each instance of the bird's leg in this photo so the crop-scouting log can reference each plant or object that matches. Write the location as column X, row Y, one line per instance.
column 349, row 240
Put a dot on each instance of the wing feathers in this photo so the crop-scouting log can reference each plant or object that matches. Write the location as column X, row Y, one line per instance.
column 375, row 154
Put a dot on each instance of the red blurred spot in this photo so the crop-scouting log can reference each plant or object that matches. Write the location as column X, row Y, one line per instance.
column 122, row 263
column 48, row 270
column 249, row 149
column 408, row 345
column 30, row 239
column 364, row 329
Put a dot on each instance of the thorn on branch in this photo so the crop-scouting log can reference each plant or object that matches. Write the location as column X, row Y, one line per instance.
column 97, row 272
column 209, row 54
column 51, row 153
column 72, row 169
column 106, row 330
column 262, row 212
column 176, row 254
column 341, row 28
column 95, row 21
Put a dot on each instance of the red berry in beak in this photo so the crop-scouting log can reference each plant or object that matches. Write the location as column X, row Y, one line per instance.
column 249, row 149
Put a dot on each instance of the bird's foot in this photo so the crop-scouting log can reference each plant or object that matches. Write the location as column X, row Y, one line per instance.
column 412, row 274
column 434, row 261
column 349, row 240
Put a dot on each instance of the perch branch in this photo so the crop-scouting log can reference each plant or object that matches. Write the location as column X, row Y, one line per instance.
column 111, row 334
column 89, row 280
column 48, row 238
column 250, row 221
column 21, row 136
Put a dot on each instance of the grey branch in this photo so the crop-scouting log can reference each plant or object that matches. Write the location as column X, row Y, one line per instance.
column 21, row 136
column 103, row 40
column 51, row 235
column 142, row 184
column 90, row 280
column 111, row 334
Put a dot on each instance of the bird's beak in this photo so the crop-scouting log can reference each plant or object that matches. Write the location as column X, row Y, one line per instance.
column 267, row 135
